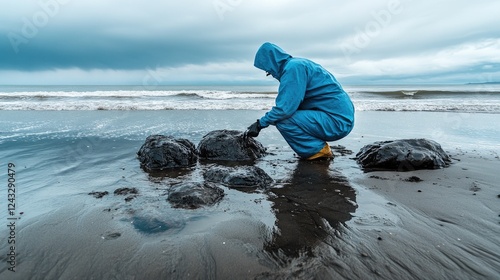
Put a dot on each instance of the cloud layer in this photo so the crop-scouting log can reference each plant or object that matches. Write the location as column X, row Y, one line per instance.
column 196, row 42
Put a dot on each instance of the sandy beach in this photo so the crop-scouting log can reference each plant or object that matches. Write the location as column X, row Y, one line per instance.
column 320, row 220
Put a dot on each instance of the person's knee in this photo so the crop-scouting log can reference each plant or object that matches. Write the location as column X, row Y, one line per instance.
column 346, row 130
column 338, row 131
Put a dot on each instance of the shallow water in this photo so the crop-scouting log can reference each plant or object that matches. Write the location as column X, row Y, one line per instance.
column 320, row 220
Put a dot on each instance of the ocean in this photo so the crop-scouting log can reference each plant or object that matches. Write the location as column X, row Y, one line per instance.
column 469, row 98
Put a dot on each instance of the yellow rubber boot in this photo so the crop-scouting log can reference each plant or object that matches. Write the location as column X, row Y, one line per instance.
column 326, row 152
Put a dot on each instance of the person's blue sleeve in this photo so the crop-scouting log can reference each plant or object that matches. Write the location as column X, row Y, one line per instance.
column 291, row 93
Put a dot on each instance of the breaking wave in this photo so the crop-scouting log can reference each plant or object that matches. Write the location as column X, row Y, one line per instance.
column 365, row 99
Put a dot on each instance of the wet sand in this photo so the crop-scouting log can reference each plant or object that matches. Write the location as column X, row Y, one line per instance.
column 320, row 220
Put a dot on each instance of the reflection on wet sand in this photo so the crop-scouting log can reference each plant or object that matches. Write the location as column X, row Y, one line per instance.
column 314, row 195
column 171, row 173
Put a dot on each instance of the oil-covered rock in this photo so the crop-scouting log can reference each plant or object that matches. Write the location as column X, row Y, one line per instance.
column 193, row 195
column 163, row 152
column 403, row 155
column 239, row 177
column 229, row 145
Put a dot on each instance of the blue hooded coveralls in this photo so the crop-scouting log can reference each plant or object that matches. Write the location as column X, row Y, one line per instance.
column 311, row 106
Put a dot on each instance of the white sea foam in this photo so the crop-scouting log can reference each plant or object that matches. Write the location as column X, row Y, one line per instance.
column 409, row 93
column 135, row 93
column 436, row 105
column 378, row 99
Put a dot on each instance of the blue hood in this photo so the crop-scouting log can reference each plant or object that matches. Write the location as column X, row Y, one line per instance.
column 272, row 59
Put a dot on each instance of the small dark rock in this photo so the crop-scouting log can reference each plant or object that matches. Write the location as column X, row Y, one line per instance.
column 339, row 149
column 230, row 145
column 413, row 179
column 378, row 177
column 243, row 176
column 129, row 198
column 125, row 191
column 163, row 152
column 192, row 195
column 403, row 155
column 98, row 194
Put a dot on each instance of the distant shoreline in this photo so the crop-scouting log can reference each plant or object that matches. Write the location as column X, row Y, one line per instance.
column 485, row 83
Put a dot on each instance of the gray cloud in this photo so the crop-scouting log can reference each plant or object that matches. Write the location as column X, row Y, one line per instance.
column 383, row 39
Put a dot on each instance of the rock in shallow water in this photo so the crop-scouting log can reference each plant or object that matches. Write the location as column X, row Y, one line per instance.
column 403, row 155
column 239, row 177
column 164, row 152
column 194, row 194
column 229, row 145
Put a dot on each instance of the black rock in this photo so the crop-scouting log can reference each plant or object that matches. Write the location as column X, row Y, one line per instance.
column 229, row 145
column 239, row 177
column 413, row 179
column 163, row 152
column 99, row 194
column 125, row 191
column 341, row 150
column 403, row 155
column 194, row 194
column 131, row 192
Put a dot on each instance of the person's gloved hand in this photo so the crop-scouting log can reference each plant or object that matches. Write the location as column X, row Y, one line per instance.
column 253, row 130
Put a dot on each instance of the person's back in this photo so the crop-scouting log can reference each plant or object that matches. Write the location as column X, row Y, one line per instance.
column 323, row 92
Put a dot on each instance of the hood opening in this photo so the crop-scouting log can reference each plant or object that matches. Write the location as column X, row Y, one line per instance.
column 271, row 58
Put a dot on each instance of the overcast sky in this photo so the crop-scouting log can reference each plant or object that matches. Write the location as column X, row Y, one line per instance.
column 214, row 41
